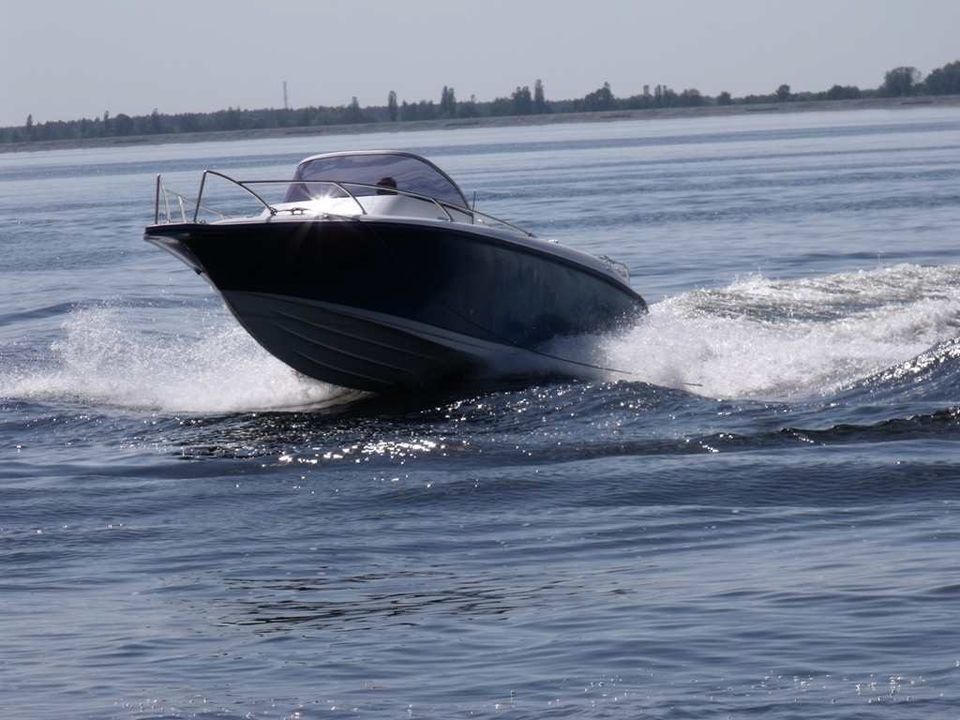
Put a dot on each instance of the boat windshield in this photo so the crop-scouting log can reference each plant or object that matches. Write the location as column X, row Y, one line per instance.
column 403, row 171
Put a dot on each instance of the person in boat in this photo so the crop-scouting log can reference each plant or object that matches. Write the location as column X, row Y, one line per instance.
column 386, row 182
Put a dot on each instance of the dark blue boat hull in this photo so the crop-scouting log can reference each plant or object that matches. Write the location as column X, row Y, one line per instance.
column 386, row 304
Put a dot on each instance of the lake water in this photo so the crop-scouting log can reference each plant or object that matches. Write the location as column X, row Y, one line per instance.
column 763, row 520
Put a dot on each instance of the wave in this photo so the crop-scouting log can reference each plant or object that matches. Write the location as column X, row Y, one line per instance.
column 784, row 339
column 757, row 338
column 102, row 360
column 933, row 375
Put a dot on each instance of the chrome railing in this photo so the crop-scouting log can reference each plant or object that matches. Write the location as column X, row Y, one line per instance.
column 163, row 196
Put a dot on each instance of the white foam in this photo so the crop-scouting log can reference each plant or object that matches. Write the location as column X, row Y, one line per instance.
column 774, row 339
column 103, row 359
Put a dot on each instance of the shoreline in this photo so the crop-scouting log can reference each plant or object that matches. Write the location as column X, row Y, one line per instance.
column 502, row 121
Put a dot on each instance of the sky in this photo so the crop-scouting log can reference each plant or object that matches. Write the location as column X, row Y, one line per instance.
column 66, row 59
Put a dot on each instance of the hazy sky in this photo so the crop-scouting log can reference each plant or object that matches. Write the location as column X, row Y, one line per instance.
column 63, row 59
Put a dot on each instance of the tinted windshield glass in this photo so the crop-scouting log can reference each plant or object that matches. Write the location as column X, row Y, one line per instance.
column 404, row 172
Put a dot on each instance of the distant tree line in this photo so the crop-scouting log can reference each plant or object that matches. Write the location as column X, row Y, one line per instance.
column 898, row 82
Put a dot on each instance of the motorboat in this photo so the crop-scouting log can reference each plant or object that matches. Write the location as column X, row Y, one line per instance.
column 371, row 270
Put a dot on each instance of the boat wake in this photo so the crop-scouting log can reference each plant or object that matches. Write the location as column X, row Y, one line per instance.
column 784, row 340
column 754, row 339
column 102, row 360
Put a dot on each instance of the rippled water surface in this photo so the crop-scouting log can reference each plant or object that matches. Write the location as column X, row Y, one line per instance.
column 756, row 515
